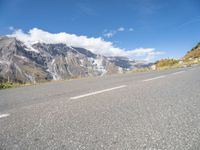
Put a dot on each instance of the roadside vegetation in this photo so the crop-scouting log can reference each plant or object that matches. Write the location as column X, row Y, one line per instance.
column 146, row 69
column 166, row 63
column 6, row 85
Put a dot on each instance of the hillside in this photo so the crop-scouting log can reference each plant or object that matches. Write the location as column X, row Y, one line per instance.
column 194, row 53
column 192, row 57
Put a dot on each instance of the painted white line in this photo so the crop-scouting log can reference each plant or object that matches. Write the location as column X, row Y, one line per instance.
column 4, row 115
column 153, row 78
column 98, row 92
column 178, row 72
column 193, row 69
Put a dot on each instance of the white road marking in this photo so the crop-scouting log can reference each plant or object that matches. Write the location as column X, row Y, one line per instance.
column 154, row 78
column 193, row 69
column 4, row 115
column 98, row 92
column 178, row 72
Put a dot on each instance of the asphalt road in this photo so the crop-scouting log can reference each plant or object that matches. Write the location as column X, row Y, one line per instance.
column 150, row 111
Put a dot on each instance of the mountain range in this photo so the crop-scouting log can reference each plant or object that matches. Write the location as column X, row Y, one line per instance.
column 23, row 63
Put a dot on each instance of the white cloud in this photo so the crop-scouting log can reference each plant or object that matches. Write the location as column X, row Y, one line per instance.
column 121, row 29
column 11, row 28
column 130, row 29
column 96, row 45
column 109, row 34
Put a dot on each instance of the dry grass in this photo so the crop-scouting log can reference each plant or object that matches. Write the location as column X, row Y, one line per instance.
column 6, row 85
column 194, row 53
column 166, row 63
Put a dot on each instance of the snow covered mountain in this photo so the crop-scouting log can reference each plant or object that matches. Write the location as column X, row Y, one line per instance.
column 20, row 62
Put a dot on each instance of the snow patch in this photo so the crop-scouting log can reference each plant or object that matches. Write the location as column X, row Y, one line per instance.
column 30, row 48
column 98, row 64
column 53, row 70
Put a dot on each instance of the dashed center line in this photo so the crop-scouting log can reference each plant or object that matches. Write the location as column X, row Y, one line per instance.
column 98, row 92
column 163, row 76
column 154, row 78
column 193, row 69
column 4, row 115
column 178, row 72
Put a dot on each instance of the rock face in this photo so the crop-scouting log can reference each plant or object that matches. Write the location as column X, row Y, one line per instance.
column 22, row 63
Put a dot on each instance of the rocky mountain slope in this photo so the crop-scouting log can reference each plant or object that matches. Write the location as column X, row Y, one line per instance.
column 20, row 62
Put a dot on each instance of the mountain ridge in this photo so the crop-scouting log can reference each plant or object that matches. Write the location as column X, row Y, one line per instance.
column 19, row 63
column 24, row 63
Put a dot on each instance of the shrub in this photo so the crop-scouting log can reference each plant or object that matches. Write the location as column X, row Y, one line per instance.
column 166, row 63
column 5, row 85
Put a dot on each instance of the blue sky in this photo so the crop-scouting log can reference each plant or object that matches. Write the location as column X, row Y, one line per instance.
column 170, row 26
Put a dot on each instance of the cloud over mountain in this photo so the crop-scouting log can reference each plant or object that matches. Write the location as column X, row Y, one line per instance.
column 96, row 45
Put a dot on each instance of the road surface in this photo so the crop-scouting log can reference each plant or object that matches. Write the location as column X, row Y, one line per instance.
column 150, row 111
